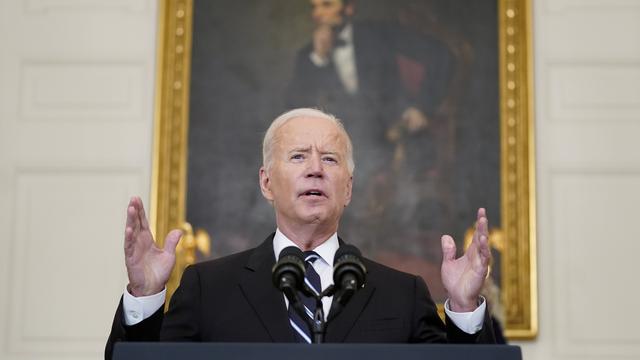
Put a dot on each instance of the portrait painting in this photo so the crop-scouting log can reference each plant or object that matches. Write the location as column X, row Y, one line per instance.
column 420, row 88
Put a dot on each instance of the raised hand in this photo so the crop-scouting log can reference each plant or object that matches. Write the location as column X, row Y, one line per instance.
column 148, row 266
column 463, row 277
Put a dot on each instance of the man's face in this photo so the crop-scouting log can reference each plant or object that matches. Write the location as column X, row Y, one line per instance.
column 309, row 181
column 330, row 12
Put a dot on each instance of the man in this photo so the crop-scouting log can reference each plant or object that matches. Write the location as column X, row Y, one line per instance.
column 307, row 176
column 369, row 68
column 345, row 62
column 388, row 83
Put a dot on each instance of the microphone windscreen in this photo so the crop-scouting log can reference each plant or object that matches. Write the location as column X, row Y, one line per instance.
column 289, row 269
column 291, row 251
column 348, row 260
column 346, row 250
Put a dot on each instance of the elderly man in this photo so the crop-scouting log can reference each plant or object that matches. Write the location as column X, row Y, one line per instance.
column 307, row 176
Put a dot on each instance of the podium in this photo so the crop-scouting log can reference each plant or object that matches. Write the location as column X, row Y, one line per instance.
column 259, row 351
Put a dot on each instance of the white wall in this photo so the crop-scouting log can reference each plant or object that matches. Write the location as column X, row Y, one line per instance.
column 76, row 89
column 76, row 100
column 587, row 94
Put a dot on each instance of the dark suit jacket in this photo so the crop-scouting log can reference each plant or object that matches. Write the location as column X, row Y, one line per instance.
column 233, row 299
column 379, row 89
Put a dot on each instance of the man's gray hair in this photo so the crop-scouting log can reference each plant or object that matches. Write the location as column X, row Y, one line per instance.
column 270, row 136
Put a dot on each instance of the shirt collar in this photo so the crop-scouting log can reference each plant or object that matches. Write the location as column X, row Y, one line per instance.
column 326, row 250
column 346, row 34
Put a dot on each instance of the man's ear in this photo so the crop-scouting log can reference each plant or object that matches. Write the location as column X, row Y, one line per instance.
column 265, row 184
column 349, row 190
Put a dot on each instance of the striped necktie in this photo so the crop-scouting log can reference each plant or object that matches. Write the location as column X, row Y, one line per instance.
column 312, row 279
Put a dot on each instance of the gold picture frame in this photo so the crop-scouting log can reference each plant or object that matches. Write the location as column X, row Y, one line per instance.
column 517, row 168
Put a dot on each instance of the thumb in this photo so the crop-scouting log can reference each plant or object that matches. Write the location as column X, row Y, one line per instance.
column 171, row 241
column 448, row 248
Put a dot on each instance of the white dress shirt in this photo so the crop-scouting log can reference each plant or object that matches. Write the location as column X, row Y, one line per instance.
column 137, row 309
column 323, row 266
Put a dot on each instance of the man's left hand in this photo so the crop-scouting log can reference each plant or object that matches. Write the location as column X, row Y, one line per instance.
column 463, row 277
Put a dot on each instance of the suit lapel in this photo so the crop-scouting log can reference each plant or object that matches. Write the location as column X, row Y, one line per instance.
column 267, row 302
column 339, row 325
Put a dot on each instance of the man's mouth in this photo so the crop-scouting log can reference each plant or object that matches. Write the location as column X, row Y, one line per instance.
column 313, row 193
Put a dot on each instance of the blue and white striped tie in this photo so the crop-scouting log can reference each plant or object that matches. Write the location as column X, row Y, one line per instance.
column 312, row 279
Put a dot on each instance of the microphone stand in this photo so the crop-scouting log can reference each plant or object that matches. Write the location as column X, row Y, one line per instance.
column 349, row 272
column 317, row 325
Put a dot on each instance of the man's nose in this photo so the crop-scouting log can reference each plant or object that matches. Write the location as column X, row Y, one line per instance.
column 315, row 168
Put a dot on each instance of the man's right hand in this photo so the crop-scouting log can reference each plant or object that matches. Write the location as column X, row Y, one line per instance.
column 148, row 266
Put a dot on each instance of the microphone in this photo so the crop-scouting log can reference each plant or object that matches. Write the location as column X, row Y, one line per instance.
column 288, row 272
column 349, row 274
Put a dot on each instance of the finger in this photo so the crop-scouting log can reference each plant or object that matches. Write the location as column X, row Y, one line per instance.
column 171, row 241
column 128, row 241
column 482, row 213
column 482, row 227
column 135, row 202
column 448, row 248
column 132, row 217
column 485, row 251
column 144, row 223
column 481, row 256
column 474, row 250
column 483, row 220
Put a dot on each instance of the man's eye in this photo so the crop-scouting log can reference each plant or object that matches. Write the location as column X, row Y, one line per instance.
column 297, row 157
column 330, row 159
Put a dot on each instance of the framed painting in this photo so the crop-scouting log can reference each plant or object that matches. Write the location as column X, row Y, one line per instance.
column 435, row 94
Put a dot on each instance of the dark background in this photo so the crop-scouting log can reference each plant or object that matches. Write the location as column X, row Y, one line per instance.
column 242, row 62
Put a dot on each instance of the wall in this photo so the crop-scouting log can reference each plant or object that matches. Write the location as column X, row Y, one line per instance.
column 587, row 94
column 76, row 108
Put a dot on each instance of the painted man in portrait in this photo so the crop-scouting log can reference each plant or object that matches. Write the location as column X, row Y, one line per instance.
column 388, row 81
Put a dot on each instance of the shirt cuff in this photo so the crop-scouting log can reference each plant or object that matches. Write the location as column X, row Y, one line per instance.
column 469, row 322
column 317, row 60
column 140, row 308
